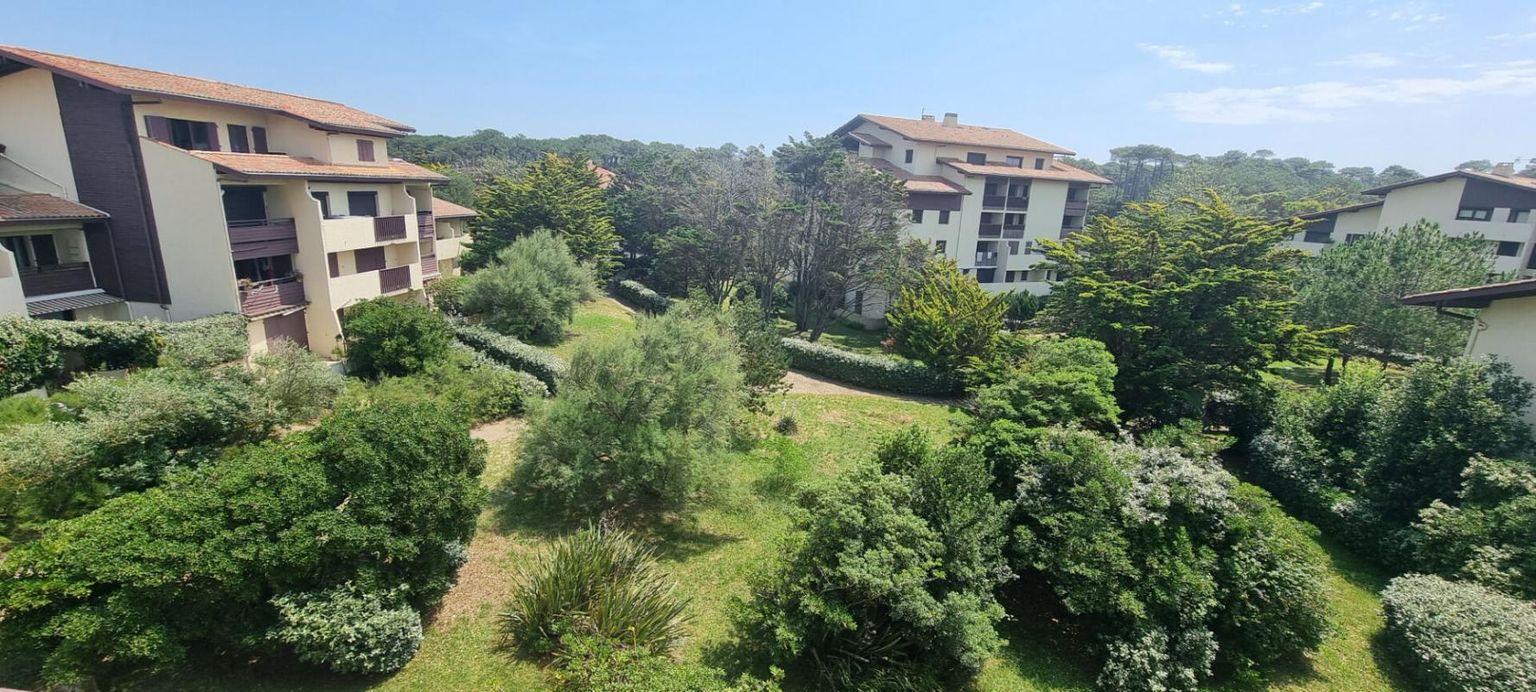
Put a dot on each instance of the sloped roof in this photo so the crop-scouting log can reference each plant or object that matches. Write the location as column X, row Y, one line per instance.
column 1056, row 171
column 444, row 209
column 41, row 207
column 50, row 304
column 870, row 139
column 285, row 166
column 325, row 114
column 1515, row 181
column 1475, row 296
column 974, row 135
column 604, row 176
column 1341, row 210
column 918, row 183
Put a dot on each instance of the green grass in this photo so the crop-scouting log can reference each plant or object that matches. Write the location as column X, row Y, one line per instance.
column 845, row 335
column 598, row 319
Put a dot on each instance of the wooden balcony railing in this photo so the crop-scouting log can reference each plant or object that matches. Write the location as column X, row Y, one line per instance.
column 429, row 266
column 57, row 278
column 394, row 279
column 262, row 238
column 427, row 224
column 388, row 228
column 263, row 297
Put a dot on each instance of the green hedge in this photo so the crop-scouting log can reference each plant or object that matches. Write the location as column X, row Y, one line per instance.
column 546, row 366
column 1460, row 636
column 636, row 293
column 34, row 353
column 874, row 372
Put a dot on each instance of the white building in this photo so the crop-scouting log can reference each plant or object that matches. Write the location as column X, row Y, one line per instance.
column 1496, row 206
column 1505, row 327
column 983, row 196
column 128, row 193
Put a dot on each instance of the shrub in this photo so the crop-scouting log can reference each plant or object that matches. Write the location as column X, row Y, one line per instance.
column 22, row 409
column 120, row 345
column 1456, row 636
column 29, row 355
column 787, row 425
column 34, row 353
column 788, row 467
column 546, row 366
column 207, row 341
column 480, row 389
column 875, row 372
column 635, row 293
column 447, row 294
column 764, row 361
column 1023, row 306
column 945, row 317
column 531, row 290
column 300, row 384
column 595, row 583
column 387, row 337
column 348, row 632
column 593, row 664
column 1049, row 382
column 1489, row 536
column 634, row 420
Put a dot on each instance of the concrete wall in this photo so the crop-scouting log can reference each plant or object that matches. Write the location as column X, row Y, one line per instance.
column 33, row 135
column 194, row 238
column 1506, row 329
column 343, row 149
column 12, row 301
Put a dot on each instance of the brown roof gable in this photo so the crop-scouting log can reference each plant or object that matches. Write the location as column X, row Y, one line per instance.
column 1516, row 181
column 1474, row 296
column 918, row 183
column 974, row 135
column 444, row 209
column 324, row 114
column 1056, row 171
column 41, row 207
column 285, row 166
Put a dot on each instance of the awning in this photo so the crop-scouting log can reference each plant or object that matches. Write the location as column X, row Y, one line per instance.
column 44, row 306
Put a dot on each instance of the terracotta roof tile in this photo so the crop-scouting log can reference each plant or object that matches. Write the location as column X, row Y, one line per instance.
column 974, row 135
column 285, row 166
column 327, row 114
column 604, row 176
column 41, row 207
column 444, row 209
column 918, row 183
column 1056, row 171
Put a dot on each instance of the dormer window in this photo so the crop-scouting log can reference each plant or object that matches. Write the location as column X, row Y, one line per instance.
column 1016, row 161
column 1039, row 164
column 364, row 150
column 976, row 157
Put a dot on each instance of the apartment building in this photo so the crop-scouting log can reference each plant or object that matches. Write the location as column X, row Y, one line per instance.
column 1495, row 205
column 128, row 193
column 983, row 196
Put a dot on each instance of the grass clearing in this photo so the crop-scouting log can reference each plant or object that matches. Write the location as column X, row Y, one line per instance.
column 845, row 335
column 597, row 319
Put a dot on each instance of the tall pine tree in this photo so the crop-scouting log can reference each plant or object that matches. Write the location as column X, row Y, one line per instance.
column 555, row 192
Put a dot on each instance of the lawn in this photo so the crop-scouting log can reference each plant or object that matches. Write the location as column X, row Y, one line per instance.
column 844, row 335
column 596, row 319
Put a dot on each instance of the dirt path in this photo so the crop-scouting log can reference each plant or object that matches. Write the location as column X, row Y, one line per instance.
column 499, row 430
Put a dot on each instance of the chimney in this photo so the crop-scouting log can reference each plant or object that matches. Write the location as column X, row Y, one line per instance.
column 928, row 117
column 1506, row 169
column 951, row 119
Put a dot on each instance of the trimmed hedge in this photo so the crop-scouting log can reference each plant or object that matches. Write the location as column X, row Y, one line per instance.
column 1460, row 636
column 642, row 297
column 546, row 366
column 874, row 372
column 34, row 353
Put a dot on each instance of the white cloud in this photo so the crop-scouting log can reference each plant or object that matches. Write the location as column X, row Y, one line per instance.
column 1298, row 8
column 1513, row 37
column 1413, row 15
column 1365, row 61
column 1313, row 102
column 1181, row 58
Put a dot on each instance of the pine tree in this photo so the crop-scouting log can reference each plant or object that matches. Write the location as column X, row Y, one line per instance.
column 558, row 193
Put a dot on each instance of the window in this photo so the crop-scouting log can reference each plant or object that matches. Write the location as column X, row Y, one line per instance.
column 1013, row 247
column 264, row 268
column 986, row 276
column 1508, row 248
column 368, row 259
column 259, row 139
column 245, row 203
column 939, row 246
column 1014, row 276
column 975, row 157
column 187, row 134
column 238, row 139
column 1473, row 214
column 917, row 216
column 1013, row 220
column 1039, row 164
column 364, row 150
column 993, row 189
column 943, row 216
column 332, row 259
column 1352, row 237
column 909, row 156
column 325, row 203
column 362, row 203
column 1519, row 215
column 31, row 251
column 1015, row 161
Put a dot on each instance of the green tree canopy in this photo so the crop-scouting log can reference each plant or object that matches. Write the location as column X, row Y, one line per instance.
column 945, row 317
column 555, row 192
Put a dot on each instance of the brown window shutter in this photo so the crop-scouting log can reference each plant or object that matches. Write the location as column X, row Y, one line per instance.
column 364, row 150
column 238, row 141
column 259, row 138
column 213, row 136
column 369, row 259
column 335, row 264
column 159, row 128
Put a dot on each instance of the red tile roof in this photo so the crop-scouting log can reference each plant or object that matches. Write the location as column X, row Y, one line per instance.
column 444, row 209
column 604, row 176
column 1056, row 171
column 325, row 114
column 918, row 183
column 40, row 207
column 974, row 135
column 285, row 166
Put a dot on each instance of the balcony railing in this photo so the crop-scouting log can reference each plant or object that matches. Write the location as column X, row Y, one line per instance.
column 986, row 259
column 1013, row 230
column 388, row 228
column 992, row 201
column 427, row 224
column 57, row 278
column 249, row 239
column 429, row 266
column 1018, row 202
column 394, row 279
column 1078, row 207
column 991, row 230
column 262, row 297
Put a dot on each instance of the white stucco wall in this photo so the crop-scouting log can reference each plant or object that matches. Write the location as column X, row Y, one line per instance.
column 194, row 238
column 12, row 301
column 1506, row 329
column 33, row 135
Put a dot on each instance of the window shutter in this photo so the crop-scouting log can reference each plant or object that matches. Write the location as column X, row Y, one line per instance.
column 159, row 128
column 259, row 138
column 364, row 150
column 213, row 136
column 335, row 263
column 238, row 141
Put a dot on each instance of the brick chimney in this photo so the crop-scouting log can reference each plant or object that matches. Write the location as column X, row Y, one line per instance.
column 951, row 119
column 1505, row 168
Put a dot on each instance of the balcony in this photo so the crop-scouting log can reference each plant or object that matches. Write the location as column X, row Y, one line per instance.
column 57, row 278
column 394, row 279
column 1076, row 208
column 274, row 295
column 991, row 230
column 386, row 228
column 427, row 224
column 993, row 201
column 428, row 266
column 986, row 259
column 1017, row 202
column 249, row 239
column 1013, row 230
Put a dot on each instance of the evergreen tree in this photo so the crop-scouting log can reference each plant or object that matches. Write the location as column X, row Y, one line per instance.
column 555, row 192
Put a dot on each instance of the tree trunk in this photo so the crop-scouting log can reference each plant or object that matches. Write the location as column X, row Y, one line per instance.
column 1328, row 372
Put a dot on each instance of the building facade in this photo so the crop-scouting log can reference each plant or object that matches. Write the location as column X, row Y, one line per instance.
column 1495, row 205
column 982, row 196
column 197, row 197
column 1504, row 327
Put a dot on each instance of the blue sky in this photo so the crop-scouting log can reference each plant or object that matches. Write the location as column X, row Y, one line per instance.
column 1418, row 82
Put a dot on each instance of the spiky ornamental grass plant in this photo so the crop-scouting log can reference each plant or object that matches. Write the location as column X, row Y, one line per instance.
column 597, row 582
